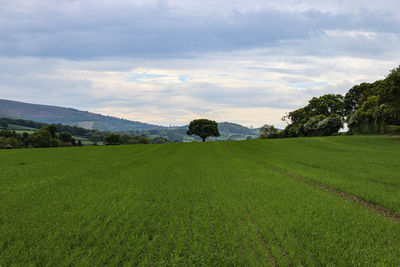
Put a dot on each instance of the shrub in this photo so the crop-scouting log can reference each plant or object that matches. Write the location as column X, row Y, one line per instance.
column 393, row 129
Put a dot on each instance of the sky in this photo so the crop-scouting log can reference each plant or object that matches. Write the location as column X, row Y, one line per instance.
column 168, row 62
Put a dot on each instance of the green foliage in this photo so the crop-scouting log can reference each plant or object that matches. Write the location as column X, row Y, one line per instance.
column 329, row 125
column 393, row 129
column 65, row 137
column 296, row 117
column 320, row 125
column 42, row 138
column 52, row 128
column 367, row 108
column 268, row 131
column 196, row 204
column 379, row 106
column 326, row 105
column 113, row 139
column 311, row 126
column 353, row 97
column 144, row 140
column 322, row 116
column 203, row 128
column 45, row 137
column 227, row 131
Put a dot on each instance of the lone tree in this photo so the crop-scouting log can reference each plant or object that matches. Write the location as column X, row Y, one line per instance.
column 203, row 128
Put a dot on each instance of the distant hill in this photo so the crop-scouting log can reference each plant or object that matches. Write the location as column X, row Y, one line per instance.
column 230, row 127
column 84, row 119
column 69, row 116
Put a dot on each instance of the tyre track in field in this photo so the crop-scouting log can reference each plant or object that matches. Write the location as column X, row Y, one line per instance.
column 226, row 148
column 376, row 208
column 255, row 228
column 261, row 240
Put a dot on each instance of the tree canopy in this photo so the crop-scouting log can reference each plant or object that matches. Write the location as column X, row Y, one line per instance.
column 368, row 108
column 268, row 131
column 203, row 128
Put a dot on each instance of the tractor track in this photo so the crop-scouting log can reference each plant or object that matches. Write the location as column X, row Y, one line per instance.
column 376, row 208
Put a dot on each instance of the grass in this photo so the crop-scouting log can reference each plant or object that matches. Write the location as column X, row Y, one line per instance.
column 198, row 204
column 19, row 127
column 24, row 131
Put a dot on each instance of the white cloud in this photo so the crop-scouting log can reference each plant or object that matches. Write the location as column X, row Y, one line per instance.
column 168, row 62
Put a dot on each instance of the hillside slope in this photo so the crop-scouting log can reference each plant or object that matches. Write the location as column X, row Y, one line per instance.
column 73, row 117
column 69, row 116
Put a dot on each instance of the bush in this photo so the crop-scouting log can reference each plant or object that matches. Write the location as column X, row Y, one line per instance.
column 392, row 129
column 330, row 125
column 267, row 130
column 113, row 139
column 144, row 140
column 41, row 138
column 311, row 126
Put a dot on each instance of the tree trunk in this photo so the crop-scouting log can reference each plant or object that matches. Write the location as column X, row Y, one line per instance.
column 204, row 139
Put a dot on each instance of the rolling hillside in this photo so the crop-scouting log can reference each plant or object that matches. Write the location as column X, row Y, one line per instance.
column 88, row 120
column 69, row 116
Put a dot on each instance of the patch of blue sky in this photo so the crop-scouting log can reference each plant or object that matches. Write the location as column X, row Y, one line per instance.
column 144, row 76
column 185, row 78
column 309, row 85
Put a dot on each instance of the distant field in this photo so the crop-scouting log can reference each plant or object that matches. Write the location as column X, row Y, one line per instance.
column 300, row 201
column 20, row 128
column 24, row 131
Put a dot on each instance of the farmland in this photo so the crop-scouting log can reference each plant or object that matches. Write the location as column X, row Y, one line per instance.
column 258, row 202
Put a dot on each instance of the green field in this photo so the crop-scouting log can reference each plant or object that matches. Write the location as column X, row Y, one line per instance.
column 21, row 128
column 240, row 203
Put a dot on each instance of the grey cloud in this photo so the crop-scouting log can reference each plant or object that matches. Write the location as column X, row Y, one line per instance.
column 89, row 31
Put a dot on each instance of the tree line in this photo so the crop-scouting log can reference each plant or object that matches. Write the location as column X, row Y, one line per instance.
column 50, row 136
column 45, row 137
column 367, row 108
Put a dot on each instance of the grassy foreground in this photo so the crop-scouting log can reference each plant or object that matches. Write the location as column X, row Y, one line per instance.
column 231, row 203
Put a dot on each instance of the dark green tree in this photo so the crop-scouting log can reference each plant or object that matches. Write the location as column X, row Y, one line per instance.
column 329, row 125
column 267, row 131
column 113, row 139
column 295, row 117
column 41, row 138
column 144, row 140
column 326, row 105
column 65, row 137
column 353, row 97
column 52, row 129
column 203, row 128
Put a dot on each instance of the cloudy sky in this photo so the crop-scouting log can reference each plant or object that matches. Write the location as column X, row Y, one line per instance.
column 170, row 61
